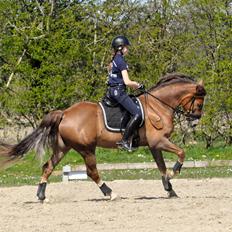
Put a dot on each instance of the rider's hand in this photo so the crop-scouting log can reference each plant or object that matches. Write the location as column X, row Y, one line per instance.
column 141, row 87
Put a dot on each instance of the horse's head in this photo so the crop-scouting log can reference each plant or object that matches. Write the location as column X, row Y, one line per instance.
column 174, row 90
column 193, row 102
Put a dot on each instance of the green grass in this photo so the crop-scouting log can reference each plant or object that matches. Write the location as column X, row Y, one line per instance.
column 18, row 179
column 144, row 155
column 151, row 174
column 28, row 170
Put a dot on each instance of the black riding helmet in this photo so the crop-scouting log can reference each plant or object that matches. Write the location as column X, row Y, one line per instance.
column 119, row 42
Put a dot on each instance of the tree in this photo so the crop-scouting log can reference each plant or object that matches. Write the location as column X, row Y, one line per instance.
column 55, row 53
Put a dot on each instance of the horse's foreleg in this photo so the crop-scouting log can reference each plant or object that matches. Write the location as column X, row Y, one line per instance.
column 168, row 146
column 158, row 157
column 92, row 172
column 48, row 168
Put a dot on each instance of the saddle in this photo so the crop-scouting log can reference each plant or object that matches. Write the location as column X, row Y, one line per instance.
column 115, row 116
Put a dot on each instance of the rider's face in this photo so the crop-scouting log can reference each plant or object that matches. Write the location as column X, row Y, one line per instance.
column 125, row 50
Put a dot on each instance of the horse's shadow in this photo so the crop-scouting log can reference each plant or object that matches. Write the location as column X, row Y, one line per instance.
column 151, row 198
column 105, row 199
column 32, row 202
column 142, row 198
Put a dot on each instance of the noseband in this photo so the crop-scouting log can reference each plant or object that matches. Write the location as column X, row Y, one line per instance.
column 190, row 112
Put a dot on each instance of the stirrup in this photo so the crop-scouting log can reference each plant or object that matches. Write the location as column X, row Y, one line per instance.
column 126, row 145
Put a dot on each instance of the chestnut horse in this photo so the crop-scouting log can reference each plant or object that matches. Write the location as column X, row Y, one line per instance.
column 81, row 127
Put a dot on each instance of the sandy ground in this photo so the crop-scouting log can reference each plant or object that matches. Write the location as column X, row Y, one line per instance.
column 203, row 205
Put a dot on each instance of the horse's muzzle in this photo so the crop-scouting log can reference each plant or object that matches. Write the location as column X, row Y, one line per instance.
column 192, row 117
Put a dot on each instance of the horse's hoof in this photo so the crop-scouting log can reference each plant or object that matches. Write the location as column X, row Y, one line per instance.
column 40, row 201
column 114, row 197
column 172, row 194
column 45, row 200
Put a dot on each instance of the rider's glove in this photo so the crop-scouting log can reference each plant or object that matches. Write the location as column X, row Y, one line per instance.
column 141, row 87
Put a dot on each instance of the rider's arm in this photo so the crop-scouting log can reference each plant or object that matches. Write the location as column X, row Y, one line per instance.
column 127, row 81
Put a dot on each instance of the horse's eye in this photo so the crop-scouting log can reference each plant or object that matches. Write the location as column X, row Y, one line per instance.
column 200, row 106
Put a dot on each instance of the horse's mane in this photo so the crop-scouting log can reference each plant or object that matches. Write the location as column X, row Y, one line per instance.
column 173, row 78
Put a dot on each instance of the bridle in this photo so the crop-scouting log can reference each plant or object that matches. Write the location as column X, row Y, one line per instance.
column 177, row 110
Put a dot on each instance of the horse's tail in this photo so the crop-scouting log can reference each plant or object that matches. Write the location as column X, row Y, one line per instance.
column 46, row 135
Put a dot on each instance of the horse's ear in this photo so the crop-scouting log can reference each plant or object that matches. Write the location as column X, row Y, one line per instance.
column 200, row 90
column 200, row 83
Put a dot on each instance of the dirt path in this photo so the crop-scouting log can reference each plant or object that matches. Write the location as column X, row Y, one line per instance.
column 204, row 206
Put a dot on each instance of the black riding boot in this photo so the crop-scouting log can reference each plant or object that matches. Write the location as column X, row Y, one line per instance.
column 132, row 125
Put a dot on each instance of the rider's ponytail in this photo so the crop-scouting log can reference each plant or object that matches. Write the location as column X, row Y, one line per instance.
column 110, row 65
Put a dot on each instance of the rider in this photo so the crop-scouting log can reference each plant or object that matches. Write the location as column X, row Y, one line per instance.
column 117, row 81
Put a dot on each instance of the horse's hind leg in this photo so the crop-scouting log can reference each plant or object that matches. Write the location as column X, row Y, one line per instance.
column 91, row 167
column 158, row 157
column 48, row 168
